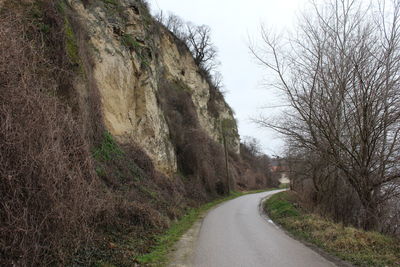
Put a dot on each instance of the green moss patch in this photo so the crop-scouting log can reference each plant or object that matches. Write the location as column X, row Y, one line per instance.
column 71, row 44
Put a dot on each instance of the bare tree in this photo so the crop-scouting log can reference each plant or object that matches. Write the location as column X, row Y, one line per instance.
column 251, row 153
column 197, row 39
column 217, row 81
column 201, row 46
column 341, row 79
column 252, row 145
column 173, row 23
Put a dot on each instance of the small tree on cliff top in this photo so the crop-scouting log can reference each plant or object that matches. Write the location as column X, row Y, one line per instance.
column 197, row 39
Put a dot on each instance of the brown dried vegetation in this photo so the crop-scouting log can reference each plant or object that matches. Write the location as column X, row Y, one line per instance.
column 69, row 193
column 56, row 198
column 200, row 158
column 342, row 118
column 47, row 180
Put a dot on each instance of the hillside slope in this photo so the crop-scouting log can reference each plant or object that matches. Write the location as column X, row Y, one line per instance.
column 108, row 132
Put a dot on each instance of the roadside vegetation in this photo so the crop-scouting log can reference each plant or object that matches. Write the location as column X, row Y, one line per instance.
column 158, row 254
column 71, row 194
column 339, row 73
column 359, row 247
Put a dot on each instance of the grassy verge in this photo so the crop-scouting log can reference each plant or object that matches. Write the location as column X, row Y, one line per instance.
column 359, row 247
column 165, row 242
column 284, row 186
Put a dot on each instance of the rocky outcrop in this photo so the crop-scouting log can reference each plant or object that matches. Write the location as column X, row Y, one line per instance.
column 131, row 54
column 109, row 132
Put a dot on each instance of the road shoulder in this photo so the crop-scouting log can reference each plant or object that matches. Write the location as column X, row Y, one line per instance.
column 331, row 258
column 183, row 251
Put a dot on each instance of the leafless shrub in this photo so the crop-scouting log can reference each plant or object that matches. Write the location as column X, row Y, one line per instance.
column 173, row 23
column 199, row 157
column 258, row 164
column 198, row 41
column 341, row 81
column 47, row 184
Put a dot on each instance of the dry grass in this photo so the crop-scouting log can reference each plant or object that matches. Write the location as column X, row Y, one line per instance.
column 53, row 203
column 47, row 179
column 362, row 248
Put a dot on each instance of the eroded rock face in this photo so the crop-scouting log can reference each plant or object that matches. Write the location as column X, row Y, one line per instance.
column 131, row 53
column 181, row 66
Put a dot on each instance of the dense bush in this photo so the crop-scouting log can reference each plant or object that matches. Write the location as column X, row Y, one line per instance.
column 199, row 157
column 64, row 181
column 47, row 181
column 258, row 165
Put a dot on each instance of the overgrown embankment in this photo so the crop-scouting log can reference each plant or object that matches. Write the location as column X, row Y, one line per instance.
column 71, row 192
column 362, row 248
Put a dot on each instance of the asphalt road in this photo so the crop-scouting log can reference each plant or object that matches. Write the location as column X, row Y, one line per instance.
column 235, row 234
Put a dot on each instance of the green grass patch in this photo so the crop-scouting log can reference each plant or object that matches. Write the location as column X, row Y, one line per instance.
column 110, row 2
column 37, row 15
column 284, row 186
column 108, row 149
column 165, row 242
column 128, row 41
column 359, row 247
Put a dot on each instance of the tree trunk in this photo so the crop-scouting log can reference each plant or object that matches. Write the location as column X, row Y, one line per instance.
column 371, row 216
column 226, row 165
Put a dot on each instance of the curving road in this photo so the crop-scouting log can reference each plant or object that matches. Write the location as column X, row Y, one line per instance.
column 235, row 234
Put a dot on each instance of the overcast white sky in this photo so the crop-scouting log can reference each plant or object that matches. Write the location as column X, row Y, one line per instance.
column 232, row 22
